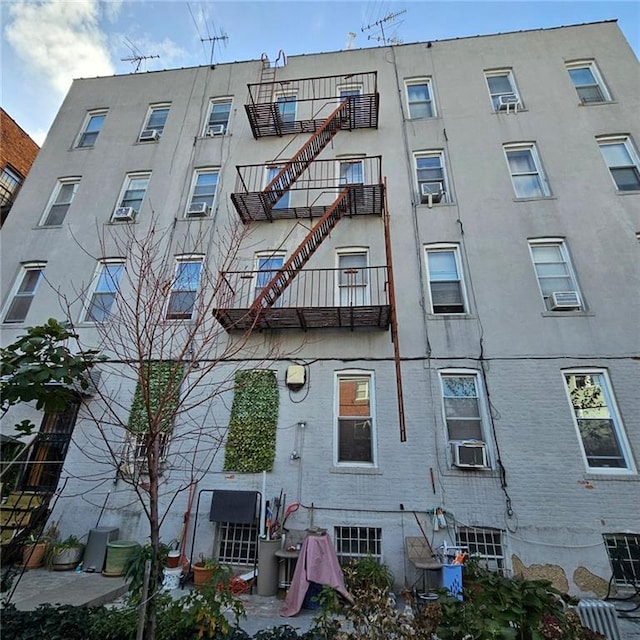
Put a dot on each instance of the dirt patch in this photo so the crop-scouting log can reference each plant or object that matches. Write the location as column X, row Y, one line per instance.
column 587, row 581
column 552, row 572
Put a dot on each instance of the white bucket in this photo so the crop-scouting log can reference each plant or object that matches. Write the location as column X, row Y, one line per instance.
column 171, row 578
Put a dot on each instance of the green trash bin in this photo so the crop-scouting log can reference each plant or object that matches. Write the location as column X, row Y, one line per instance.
column 119, row 553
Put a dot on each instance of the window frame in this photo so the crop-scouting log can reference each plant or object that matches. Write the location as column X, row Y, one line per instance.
column 539, row 172
column 57, row 190
column 293, row 95
column 194, row 185
column 428, row 82
column 256, row 289
column 15, row 293
column 102, row 265
column 94, row 113
column 614, row 417
column 212, row 104
column 10, row 182
column 494, row 97
column 128, row 179
column 566, row 259
column 476, row 538
column 455, row 249
column 433, row 153
column 625, row 568
column 630, row 148
column 591, row 65
column 158, row 106
column 356, row 289
column 271, row 170
column 356, row 375
column 357, row 536
column 180, row 260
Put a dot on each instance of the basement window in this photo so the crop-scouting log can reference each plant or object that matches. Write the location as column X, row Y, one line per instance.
column 355, row 543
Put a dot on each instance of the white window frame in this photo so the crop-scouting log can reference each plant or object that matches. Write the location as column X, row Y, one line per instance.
column 358, row 292
column 614, row 416
column 597, row 76
column 275, row 167
column 446, row 248
column 266, row 255
column 287, row 94
column 433, row 153
column 15, row 293
column 212, row 104
column 160, row 106
column 494, row 97
column 561, row 244
column 95, row 113
column 543, row 183
column 180, row 260
column 114, row 288
column 194, row 184
column 351, row 160
column 355, row 374
column 129, row 178
column 428, row 82
column 631, row 150
column 354, row 542
column 485, row 544
column 354, row 86
column 60, row 184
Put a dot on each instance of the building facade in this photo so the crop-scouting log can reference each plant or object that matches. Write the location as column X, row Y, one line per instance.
column 419, row 241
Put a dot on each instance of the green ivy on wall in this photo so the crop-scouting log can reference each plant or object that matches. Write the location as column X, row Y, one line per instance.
column 251, row 442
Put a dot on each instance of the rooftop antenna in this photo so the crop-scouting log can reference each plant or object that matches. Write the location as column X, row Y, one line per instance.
column 350, row 38
column 213, row 39
column 137, row 57
column 379, row 24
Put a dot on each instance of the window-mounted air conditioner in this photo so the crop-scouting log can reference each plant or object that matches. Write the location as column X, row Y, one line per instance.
column 149, row 134
column 471, row 454
column 198, row 209
column 565, row 300
column 508, row 102
column 431, row 192
column 215, row 130
column 124, row 213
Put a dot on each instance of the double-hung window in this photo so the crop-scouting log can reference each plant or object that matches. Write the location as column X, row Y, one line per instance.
column 267, row 265
column 272, row 172
column 431, row 177
column 588, row 82
column 444, row 274
column 556, row 278
column 420, row 98
column 155, row 122
column 105, row 289
column 92, row 126
column 24, row 292
column 218, row 119
column 184, row 290
column 503, row 91
column 526, row 171
column 351, row 172
column 60, row 201
column 10, row 181
column 355, row 420
column 622, row 159
column 203, row 192
column 353, row 277
column 132, row 195
column 602, row 437
column 286, row 106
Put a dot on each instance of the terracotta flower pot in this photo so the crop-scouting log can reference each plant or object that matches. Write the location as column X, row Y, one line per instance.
column 33, row 555
column 201, row 575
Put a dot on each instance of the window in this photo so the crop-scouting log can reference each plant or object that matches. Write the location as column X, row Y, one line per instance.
column 286, row 105
column 355, row 543
column 91, row 129
column 431, row 176
column 218, row 120
column 10, row 181
column 138, row 443
column 355, row 420
column 599, row 427
column 182, row 300
column 203, row 192
column 588, row 82
column 502, row 89
column 555, row 274
column 267, row 264
column 24, row 292
column 156, row 119
column 484, row 544
column 420, row 99
column 445, row 279
column 353, row 277
column 135, row 186
column 622, row 160
column 60, row 201
column 623, row 550
column 347, row 91
column 237, row 543
column 526, row 171
column 272, row 172
column 463, row 409
column 105, row 290
column 351, row 172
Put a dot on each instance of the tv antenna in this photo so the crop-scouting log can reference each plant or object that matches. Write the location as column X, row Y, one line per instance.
column 379, row 24
column 137, row 57
column 213, row 39
column 350, row 38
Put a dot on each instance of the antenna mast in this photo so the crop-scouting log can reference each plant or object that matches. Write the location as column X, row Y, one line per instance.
column 380, row 25
column 137, row 56
column 213, row 39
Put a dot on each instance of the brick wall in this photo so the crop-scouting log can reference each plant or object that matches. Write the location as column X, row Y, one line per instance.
column 16, row 147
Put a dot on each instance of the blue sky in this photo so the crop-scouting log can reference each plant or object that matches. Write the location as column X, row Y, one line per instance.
column 47, row 43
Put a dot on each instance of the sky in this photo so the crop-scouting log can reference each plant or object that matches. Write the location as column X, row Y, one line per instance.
column 48, row 43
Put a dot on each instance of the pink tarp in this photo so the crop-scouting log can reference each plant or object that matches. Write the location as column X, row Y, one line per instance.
column 317, row 562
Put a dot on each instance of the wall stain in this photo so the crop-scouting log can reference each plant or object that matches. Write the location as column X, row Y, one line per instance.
column 587, row 581
column 552, row 572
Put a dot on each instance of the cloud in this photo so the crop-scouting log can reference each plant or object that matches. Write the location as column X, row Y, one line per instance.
column 59, row 40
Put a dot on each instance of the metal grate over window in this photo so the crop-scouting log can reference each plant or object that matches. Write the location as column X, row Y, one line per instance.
column 353, row 543
column 484, row 544
column 237, row 543
column 624, row 555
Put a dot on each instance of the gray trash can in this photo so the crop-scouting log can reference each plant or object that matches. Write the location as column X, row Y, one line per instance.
column 268, row 567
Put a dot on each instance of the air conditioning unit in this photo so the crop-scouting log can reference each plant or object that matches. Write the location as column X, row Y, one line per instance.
column 124, row 213
column 471, row 454
column 431, row 192
column 198, row 209
column 561, row 300
column 215, row 130
column 508, row 101
column 149, row 134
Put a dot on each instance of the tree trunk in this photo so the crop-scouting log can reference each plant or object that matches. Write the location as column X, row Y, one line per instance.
column 153, row 458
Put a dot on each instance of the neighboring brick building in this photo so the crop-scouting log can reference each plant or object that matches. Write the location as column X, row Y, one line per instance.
column 17, row 153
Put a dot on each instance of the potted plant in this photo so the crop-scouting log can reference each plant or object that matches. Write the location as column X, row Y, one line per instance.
column 36, row 545
column 65, row 555
column 203, row 571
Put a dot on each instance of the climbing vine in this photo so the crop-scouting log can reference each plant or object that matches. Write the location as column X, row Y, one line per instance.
column 251, row 443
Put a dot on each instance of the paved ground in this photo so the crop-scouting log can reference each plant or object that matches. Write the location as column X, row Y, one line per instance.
column 38, row 586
